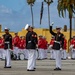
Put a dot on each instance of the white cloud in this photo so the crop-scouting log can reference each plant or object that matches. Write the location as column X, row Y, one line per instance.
column 4, row 9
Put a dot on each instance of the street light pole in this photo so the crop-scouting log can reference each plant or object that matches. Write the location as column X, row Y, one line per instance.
column 31, row 2
column 48, row 15
column 70, row 28
column 74, row 23
column 48, row 3
column 32, row 15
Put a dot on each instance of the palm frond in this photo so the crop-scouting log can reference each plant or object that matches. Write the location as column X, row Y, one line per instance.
column 66, row 5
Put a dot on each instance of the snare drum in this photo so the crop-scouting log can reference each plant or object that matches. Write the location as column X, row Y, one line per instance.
column 13, row 56
column 21, row 56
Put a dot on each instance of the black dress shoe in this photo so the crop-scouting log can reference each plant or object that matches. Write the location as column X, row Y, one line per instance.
column 57, row 69
column 73, row 58
column 45, row 58
column 34, row 68
column 63, row 59
column 52, row 59
column 7, row 67
column 38, row 59
column 30, row 70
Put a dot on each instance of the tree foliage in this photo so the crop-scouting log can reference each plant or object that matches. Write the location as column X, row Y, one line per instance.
column 66, row 5
column 30, row 1
column 48, row 2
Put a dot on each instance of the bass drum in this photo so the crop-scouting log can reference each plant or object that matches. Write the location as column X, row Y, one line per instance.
column 21, row 56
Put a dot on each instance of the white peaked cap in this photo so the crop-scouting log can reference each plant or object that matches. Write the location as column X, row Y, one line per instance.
column 52, row 23
column 6, row 28
column 26, row 27
column 58, row 27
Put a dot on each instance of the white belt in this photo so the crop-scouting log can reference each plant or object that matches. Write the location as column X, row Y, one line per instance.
column 73, row 48
column 7, row 42
column 57, row 42
column 29, row 41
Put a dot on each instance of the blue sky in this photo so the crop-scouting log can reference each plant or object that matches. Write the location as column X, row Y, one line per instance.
column 15, row 14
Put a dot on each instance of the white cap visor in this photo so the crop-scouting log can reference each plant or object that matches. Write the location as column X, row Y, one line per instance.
column 26, row 27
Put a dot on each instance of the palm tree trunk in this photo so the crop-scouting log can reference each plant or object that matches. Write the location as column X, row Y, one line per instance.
column 70, row 18
column 48, row 15
column 70, row 28
column 74, row 23
column 32, row 15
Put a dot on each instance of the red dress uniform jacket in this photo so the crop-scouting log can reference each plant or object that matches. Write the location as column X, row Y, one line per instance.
column 65, row 44
column 45, row 44
column 52, row 42
column 22, row 44
column 41, row 43
column 73, row 42
column 16, row 41
column 1, row 43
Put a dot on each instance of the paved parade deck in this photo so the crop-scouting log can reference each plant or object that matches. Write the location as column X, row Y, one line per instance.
column 44, row 67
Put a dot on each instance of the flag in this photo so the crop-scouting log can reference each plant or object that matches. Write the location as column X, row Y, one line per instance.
column 41, row 13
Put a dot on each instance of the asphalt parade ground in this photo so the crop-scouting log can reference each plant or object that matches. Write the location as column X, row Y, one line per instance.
column 43, row 67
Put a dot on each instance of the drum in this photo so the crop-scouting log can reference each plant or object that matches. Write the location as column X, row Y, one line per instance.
column 21, row 56
column 13, row 56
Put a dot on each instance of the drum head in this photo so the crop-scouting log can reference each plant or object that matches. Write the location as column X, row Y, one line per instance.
column 21, row 56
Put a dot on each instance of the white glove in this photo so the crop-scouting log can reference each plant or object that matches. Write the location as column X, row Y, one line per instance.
column 10, row 50
column 52, row 24
column 61, row 49
column 50, row 46
column 71, row 46
column 36, row 45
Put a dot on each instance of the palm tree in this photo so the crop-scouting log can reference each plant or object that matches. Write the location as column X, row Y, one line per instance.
column 31, row 3
column 67, row 5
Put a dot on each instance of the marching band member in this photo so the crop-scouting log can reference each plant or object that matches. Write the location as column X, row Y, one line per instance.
column 58, row 45
column 7, row 46
column 72, row 47
column 45, row 47
column 31, row 41
column 64, row 53
column 21, row 42
column 3, row 50
column 21, row 48
column 25, row 50
column 51, row 48
column 41, row 47
column 16, row 40
column 1, row 47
